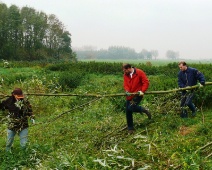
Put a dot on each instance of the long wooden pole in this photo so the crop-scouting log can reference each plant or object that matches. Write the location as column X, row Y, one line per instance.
column 117, row 94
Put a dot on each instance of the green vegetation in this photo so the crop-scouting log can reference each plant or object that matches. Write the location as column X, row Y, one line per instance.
column 76, row 132
column 158, row 62
column 27, row 34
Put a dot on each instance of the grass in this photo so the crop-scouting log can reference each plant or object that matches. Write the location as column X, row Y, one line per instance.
column 91, row 134
column 158, row 62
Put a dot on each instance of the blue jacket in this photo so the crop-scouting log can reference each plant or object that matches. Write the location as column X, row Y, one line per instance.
column 190, row 77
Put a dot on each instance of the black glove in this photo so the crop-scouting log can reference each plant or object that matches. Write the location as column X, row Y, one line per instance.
column 202, row 83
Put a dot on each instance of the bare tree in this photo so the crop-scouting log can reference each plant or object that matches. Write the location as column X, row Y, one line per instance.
column 172, row 55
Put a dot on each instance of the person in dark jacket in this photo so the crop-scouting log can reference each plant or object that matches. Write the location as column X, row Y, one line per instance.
column 135, row 81
column 188, row 76
column 19, row 110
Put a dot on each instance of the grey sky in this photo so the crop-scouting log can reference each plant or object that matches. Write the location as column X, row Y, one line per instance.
column 179, row 25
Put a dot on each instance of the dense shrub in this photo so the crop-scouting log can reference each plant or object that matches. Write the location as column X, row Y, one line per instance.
column 88, row 67
column 13, row 78
column 70, row 80
column 60, row 67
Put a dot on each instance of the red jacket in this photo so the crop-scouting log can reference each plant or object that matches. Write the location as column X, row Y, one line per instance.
column 138, row 82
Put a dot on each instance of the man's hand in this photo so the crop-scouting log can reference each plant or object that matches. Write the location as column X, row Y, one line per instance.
column 187, row 89
column 200, row 85
column 127, row 93
column 140, row 93
column 32, row 121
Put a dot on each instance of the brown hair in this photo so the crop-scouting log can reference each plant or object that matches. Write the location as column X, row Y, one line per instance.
column 126, row 66
column 183, row 63
column 17, row 92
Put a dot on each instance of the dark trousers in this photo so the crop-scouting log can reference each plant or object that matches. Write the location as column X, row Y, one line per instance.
column 133, row 106
column 186, row 100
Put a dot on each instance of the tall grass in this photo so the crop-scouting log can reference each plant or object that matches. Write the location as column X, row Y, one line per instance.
column 90, row 133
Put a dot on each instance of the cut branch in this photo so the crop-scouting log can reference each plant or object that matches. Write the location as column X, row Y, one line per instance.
column 115, row 95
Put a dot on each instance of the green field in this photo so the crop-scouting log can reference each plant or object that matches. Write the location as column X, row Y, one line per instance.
column 88, row 132
column 159, row 62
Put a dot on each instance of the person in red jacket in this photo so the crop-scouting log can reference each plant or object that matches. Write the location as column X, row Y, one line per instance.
column 135, row 81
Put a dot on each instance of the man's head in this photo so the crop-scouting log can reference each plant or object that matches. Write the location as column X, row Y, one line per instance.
column 182, row 65
column 17, row 93
column 127, row 68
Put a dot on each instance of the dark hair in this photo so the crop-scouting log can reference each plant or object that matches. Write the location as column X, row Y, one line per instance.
column 126, row 66
column 183, row 63
column 18, row 93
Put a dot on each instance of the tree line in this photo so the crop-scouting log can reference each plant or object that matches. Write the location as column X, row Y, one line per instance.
column 27, row 34
column 119, row 52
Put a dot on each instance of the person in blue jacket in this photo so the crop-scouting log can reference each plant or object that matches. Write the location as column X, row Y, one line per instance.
column 188, row 76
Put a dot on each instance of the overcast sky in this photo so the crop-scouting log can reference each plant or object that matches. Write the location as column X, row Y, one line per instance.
column 184, row 26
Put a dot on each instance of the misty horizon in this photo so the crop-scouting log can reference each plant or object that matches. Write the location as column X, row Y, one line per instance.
column 180, row 26
column 94, row 48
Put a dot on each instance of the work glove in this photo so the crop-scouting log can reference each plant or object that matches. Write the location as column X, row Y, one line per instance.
column 140, row 93
column 32, row 121
column 200, row 85
column 127, row 93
